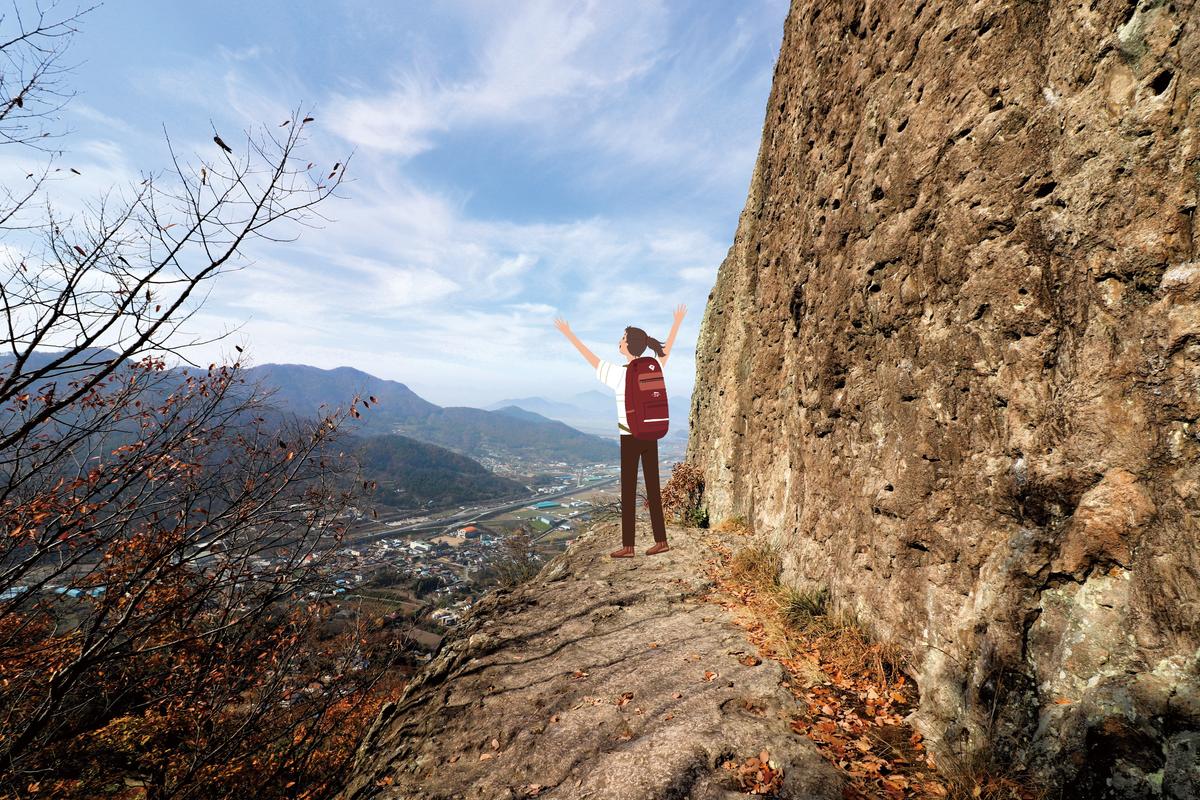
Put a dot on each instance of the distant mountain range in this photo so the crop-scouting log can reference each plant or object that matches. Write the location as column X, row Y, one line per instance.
column 474, row 432
column 477, row 433
column 592, row 411
column 410, row 473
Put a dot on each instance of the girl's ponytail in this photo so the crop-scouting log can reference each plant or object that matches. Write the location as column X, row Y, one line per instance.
column 637, row 340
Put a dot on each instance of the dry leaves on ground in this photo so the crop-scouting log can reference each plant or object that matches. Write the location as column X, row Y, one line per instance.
column 856, row 716
column 757, row 774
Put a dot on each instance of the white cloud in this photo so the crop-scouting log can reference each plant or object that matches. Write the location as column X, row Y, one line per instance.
column 707, row 274
column 455, row 306
column 539, row 60
column 407, row 281
column 85, row 111
column 242, row 53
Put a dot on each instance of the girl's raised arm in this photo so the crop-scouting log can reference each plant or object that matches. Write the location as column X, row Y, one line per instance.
column 562, row 325
column 680, row 311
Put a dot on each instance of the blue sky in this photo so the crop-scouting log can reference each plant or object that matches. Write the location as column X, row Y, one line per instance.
column 512, row 161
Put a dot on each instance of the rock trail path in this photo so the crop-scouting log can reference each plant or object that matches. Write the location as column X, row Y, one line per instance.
column 600, row 679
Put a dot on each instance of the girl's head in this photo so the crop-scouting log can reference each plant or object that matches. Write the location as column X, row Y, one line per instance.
column 635, row 341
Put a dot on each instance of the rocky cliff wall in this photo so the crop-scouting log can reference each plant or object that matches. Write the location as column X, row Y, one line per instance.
column 951, row 366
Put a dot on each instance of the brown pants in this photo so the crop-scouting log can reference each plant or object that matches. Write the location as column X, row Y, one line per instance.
column 632, row 450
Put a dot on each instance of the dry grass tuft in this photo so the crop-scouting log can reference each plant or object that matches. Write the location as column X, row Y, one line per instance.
column 759, row 566
column 806, row 614
column 975, row 779
column 736, row 525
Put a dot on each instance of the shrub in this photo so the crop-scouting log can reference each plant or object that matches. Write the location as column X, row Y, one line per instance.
column 517, row 560
column 683, row 494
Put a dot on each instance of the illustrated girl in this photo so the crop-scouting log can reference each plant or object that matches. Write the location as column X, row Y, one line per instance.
column 633, row 343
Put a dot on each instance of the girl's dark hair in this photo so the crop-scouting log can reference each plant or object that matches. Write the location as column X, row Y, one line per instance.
column 637, row 340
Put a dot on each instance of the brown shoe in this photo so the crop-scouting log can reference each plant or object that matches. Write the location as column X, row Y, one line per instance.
column 624, row 552
column 658, row 548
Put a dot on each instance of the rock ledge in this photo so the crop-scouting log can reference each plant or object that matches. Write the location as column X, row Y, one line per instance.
column 600, row 678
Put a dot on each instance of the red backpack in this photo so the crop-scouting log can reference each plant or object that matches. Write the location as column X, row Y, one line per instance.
column 646, row 399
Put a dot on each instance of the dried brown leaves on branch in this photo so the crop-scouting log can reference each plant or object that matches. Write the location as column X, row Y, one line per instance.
column 683, row 495
column 166, row 537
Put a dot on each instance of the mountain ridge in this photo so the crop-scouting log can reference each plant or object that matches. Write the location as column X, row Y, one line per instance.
column 411, row 473
column 477, row 433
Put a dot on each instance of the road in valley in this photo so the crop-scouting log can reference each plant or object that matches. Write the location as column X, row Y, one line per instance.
column 375, row 530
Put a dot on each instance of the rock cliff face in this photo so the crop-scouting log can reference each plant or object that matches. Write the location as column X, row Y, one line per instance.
column 951, row 366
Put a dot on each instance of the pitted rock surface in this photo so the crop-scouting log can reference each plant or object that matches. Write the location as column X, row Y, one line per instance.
column 560, row 672
column 951, row 366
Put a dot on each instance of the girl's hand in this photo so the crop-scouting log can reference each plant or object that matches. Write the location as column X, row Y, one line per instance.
column 680, row 310
column 562, row 325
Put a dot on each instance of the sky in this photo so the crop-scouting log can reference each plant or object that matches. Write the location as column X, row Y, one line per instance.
column 509, row 162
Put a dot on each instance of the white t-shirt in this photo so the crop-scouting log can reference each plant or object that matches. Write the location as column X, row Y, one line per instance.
column 613, row 376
